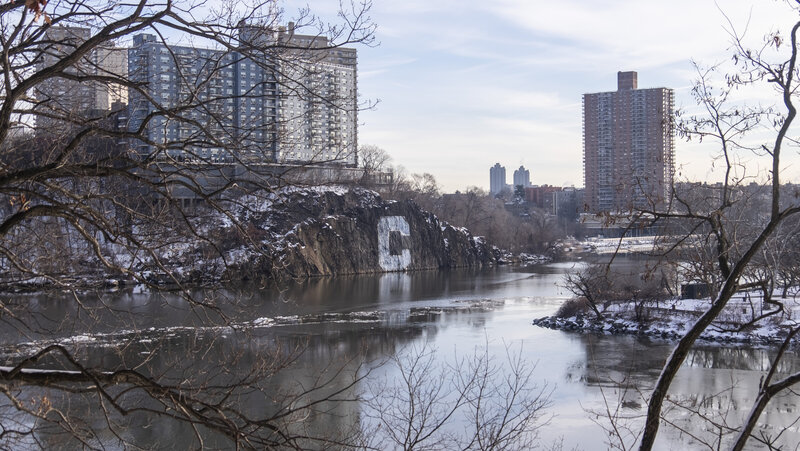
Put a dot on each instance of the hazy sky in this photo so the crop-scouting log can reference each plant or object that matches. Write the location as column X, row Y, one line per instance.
column 465, row 84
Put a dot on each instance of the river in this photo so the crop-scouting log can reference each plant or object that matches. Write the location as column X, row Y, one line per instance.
column 452, row 313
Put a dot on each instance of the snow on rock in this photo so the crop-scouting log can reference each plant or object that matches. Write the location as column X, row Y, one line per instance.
column 299, row 232
column 671, row 319
column 287, row 233
column 533, row 258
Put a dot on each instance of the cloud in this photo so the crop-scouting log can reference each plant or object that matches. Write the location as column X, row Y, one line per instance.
column 465, row 84
column 668, row 30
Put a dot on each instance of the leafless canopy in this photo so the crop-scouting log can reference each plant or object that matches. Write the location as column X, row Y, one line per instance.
column 733, row 235
column 101, row 173
column 98, row 141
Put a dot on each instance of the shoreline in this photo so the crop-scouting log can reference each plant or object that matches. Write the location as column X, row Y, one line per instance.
column 155, row 282
column 673, row 323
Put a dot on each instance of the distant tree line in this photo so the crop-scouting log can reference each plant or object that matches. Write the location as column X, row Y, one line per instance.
column 504, row 221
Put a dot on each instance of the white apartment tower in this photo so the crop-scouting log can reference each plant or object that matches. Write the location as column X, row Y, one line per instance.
column 317, row 108
column 497, row 179
column 522, row 177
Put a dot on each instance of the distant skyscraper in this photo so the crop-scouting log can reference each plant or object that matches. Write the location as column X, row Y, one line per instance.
column 628, row 147
column 497, row 178
column 522, row 177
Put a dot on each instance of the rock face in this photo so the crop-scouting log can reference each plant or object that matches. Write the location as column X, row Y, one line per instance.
column 315, row 232
column 289, row 234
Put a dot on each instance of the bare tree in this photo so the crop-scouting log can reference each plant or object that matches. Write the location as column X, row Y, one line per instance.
column 89, row 186
column 732, row 238
column 121, row 179
column 601, row 284
column 372, row 161
column 472, row 403
column 592, row 283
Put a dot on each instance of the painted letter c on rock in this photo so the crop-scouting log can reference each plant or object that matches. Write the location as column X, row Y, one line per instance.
column 393, row 254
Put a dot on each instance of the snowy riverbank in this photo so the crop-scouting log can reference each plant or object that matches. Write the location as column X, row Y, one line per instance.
column 289, row 234
column 672, row 319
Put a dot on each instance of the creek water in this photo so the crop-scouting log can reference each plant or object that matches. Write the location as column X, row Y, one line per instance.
column 451, row 312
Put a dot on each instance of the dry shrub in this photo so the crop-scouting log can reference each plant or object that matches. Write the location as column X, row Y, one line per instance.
column 572, row 307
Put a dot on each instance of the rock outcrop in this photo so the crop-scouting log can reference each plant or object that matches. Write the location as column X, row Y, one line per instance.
column 289, row 234
column 329, row 231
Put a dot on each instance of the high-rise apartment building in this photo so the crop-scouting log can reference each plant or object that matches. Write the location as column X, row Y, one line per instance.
column 63, row 103
column 497, row 179
column 180, row 76
column 110, row 62
column 294, row 106
column 522, row 177
column 628, row 146
column 317, row 109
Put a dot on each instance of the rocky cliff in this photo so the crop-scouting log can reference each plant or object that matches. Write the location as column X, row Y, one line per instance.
column 328, row 231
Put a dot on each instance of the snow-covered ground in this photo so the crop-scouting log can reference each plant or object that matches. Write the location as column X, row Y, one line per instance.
column 672, row 319
column 612, row 245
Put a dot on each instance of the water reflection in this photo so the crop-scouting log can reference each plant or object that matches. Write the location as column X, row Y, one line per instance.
column 394, row 287
column 710, row 397
column 163, row 335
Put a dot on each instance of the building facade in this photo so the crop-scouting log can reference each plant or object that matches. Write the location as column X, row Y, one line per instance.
column 177, row 77
column 63, row 104
column 297, row 104
column 317, row 107
column 628, row 147
column 113, row 62
column 522, row 177
column 542, row 196
column 497, row 179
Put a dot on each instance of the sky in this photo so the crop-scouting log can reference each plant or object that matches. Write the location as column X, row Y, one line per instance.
column 462, row 85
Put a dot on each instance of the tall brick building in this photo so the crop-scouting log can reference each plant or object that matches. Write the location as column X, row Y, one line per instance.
column 628, row 146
